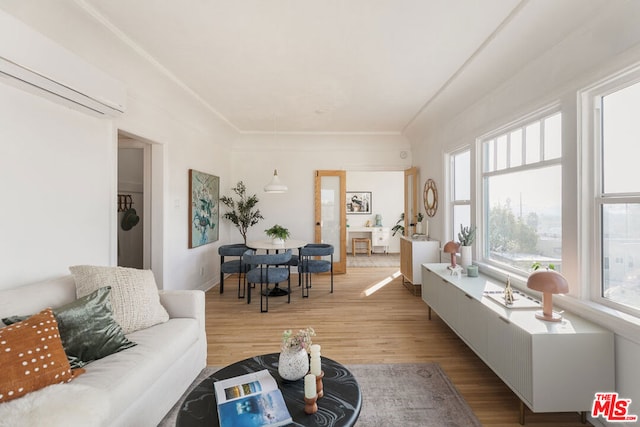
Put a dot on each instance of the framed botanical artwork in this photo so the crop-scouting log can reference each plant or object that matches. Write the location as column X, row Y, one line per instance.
column 359, row 202
column 204, row 220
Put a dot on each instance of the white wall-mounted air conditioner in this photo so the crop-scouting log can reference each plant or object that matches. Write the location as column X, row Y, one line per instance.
column 33, row 62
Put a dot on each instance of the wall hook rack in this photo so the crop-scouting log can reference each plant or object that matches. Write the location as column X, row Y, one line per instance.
column 125, row 201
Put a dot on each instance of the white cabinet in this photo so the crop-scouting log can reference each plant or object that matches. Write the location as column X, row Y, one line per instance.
column 413, row 253
column 380, row 238
column 551, row 367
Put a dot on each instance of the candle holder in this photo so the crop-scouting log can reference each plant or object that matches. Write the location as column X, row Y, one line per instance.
column 310, row 405
column 319, row 385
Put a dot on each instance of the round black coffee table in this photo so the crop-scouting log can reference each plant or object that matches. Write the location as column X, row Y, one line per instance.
column 339, row 407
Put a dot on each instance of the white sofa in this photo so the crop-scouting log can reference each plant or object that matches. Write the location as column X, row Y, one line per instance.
column 135, row 387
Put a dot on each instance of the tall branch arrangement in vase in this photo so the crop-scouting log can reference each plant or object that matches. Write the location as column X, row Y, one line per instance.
column 243, row 213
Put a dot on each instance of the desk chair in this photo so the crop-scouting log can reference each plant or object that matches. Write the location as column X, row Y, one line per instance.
column 235, row 266
column 308, row 266
column 267, row 268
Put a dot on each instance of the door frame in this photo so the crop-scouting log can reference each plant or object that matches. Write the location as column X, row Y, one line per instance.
column 339, row 267
column 410, row 199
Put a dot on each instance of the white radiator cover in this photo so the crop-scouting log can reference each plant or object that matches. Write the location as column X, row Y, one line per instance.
column 33, row 62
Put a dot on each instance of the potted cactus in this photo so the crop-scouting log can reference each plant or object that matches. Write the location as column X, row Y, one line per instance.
column 466, row 237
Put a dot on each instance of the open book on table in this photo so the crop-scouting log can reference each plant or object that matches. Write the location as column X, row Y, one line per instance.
column 251, row 400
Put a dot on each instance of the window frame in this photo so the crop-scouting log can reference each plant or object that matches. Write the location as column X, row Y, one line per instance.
column 591, row 185
column 537, row 116
column 453, row 202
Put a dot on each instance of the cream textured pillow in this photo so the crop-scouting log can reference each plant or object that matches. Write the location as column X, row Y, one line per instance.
column 134, row 294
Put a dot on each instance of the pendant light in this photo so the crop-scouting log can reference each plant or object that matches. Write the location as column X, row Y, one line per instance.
column 275, row 186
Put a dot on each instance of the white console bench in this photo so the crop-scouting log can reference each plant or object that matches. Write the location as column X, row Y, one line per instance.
column 550, row 366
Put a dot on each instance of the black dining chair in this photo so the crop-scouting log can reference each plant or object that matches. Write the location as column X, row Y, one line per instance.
column 266, row 269
column 310, row 264
column 234, row 266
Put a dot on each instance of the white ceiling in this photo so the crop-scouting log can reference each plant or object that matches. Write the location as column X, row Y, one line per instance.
column 338, row 65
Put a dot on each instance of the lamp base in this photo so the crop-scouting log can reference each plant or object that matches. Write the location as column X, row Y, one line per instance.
column 554, row 317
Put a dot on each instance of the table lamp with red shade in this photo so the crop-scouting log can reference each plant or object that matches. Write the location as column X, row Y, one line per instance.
column 548, row 282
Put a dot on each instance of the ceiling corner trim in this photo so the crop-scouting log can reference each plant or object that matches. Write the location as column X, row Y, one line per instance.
column 149, row 58
column 514, row 12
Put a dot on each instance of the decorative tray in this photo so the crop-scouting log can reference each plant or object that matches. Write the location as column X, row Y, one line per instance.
column 520, row 299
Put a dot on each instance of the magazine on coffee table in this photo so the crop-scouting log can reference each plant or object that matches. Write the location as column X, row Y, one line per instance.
column 251, row 400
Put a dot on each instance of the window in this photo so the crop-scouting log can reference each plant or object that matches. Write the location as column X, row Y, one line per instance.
column 460, row 191
column 618, row 197
column 522, row 193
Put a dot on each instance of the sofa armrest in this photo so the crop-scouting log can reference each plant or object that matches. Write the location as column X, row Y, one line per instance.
column 184, row 303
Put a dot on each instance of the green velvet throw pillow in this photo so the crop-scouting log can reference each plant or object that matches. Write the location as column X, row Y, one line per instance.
column 87, row 328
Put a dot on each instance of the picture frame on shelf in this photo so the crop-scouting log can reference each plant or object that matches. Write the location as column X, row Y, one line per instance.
column 359, row 202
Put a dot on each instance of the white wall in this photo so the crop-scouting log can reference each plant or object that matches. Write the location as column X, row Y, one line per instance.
column 297, row 157
column 62, row 174
column 55, row 168
column 609, row 42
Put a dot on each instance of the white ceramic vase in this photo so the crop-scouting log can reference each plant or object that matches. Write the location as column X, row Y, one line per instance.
column 277, row 241
column 418, row 228
column 465, row 256
column 293, row 365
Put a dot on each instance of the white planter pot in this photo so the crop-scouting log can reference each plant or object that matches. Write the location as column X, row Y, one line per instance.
column 418, row 228
column 277, row 241
column 465, row 256
column 293, row 365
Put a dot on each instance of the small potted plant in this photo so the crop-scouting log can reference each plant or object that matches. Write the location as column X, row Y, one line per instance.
column 419, row 218
column 466, row 237
column 278, row 233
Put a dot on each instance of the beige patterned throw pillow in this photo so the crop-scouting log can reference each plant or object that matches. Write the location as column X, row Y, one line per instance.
column 134, row 294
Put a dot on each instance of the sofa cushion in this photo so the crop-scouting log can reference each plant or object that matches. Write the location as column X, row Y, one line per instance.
column 129, row 374
column 134, row 294
column 87, row 328
column 32, row 356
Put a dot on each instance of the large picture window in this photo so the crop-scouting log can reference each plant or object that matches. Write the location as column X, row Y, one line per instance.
column 522, row 194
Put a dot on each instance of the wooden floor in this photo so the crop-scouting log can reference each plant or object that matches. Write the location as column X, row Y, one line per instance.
column 358, row 324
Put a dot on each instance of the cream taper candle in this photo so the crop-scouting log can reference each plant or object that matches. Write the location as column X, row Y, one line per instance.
column 310, row 386
column 315, row 364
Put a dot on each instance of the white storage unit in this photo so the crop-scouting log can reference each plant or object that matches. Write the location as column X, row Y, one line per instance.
column 413, row 253
column 551, row 367
column 380, row 238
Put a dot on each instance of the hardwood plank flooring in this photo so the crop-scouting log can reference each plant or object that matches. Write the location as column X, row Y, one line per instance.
column 357, row 326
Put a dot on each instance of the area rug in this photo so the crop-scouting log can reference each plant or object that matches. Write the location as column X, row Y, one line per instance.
column 407, row 395
column 375, row 260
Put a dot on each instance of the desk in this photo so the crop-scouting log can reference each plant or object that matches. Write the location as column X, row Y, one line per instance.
column 268, row 245
column 379, row 236
column 340, row 406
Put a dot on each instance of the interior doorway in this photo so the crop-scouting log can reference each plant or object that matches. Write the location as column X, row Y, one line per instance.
column 384, row 190
column 133, row 203
column 141, row 172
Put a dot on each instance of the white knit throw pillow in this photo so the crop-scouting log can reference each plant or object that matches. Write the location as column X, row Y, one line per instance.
column 134, row 294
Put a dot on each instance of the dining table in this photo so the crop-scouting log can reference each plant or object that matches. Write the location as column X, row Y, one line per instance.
column 268, row 245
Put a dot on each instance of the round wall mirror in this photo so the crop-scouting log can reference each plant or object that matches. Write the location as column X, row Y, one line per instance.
column 430, row 197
